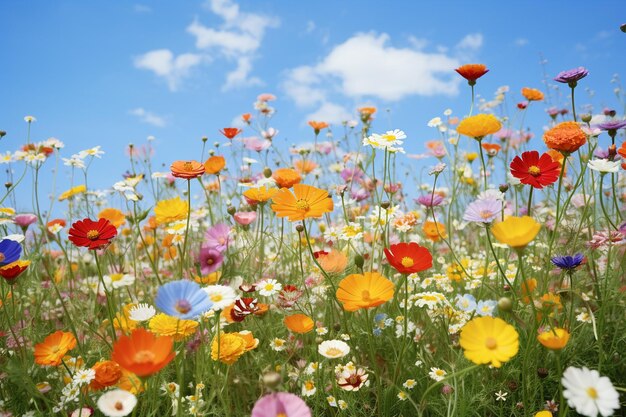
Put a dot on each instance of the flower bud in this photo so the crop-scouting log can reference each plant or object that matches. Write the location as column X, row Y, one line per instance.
column 271, row 379
column 585, row 117
column 503, row 188
column 231, row 210
column 623, row 28
column 505, row 304
column 204, row 139
column 359, row 261
column 2, row 133
column 267, row 172
column 385, row 204
column 542, row 372
column 300, row 228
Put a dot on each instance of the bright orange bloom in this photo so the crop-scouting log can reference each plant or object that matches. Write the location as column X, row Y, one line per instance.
column 558, row 157
column 492, row 149
column 333, row 261
column 304, row 166
column 246, row 117
column 231, row 132
column 366, row 113
column 107, row 373
column 113, row 215
column 433, row 230
column 214, row 164
column 528, row 287
column 622, row 152
column 51, row 351
column 369, row 290
column 566, row 137
column 187, row 169
column 130, row 382
column 308, row 201
column 142, row 353
column 317, row 126
column 472, row 72
column 532, row 94
column 259, row 194
column 554, row 339
column 286, row 177
column 299, row 323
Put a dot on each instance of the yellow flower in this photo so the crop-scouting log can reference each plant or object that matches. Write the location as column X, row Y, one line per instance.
column 167, row 211
column 260, row 194
column 489, row 340
column 479, row 126
column 554, row 339
column 79, row 189
column 231, row 347
column 516, row 232
column 115, row 216
column 164, row 325
column 122, row 320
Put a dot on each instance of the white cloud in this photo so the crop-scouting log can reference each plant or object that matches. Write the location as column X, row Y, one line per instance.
column 472, row 41
column 521, row 42
column 330, row 113
column 310, row 26
column 238, row 39
column 148, row 117
column 165, row 65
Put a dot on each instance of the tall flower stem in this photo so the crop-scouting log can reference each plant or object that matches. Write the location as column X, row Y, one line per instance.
column 482, row 161
column 108, row 297
column 182, row 255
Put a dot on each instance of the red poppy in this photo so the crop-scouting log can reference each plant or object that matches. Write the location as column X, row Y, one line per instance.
column 92, row 235
column 230, row 132
column 472, row 72
column 409, row 258
column 531, row 169
column 13, row 270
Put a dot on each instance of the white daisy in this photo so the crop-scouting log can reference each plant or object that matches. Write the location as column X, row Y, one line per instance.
column 589, row 393
column 269, row 287
column 221, row 295
column 604, row 165
column 333, row 349
column 278, row 344
column 437, row 374
column 117, row 403
column 118, row 280
column 84, row 376
column 141, row 312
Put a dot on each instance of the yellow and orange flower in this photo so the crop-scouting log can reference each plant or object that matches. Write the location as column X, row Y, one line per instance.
column 434, row 230
column 472, row 72
column 108, row 373
column 554, row 339
column 566, row 137
column 299, row 323
column 187, row 169
column 366, row 290
column 306, row 201
column 114, row 216
column 286, row 177
column 232, row 346
column 304, row 166
column 143, row 353
column 333, row 262
column 479, row 126
column 214, row 164
column 532, row 94
column 317, row 126
column 51, row 351
column 259, row 194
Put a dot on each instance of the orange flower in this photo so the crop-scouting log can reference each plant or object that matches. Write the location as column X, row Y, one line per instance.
column 187, row 169
column 433, row 230
column 558, row 157
column 299, row 323
column 107, row 373
column 366, row 113
column 528, row 287
column 472, row 72
column 142, row 353
column 554, row 339
column 369, row 290
column 246, row 117
column 114, row 216
column 130, row 382
column 566, row 137
column 492, row 149
column 317, row 126
column 551, row 301
column 532, row 94
column 51, row 351
column 286, row 177
column 260, row 194
column 214, row 164
column 307, row 202
column 231, row 132
column 304, row 166
column 333, row 261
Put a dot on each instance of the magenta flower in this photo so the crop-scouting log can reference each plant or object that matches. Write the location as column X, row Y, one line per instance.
column 281, row 404
column 572, row 76
column 350, row 174
column 431, row 200
column 210, row 260
column 24, row 220
column 217, row 237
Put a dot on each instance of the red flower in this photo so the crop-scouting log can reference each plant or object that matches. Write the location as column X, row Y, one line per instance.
column 92, row 235
column 244, row 307
column 408, row 258
column 230, row 132
column 472, row 72
column 11, row 271
column 536, row 171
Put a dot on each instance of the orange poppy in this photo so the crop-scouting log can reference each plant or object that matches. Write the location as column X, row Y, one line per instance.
column 51, row 351
column 433, row 230
column 143, row 353
column 286, row 177
column 304, row 166
column 472, row 72
column 532, row 94
column 317, row 126
column 368, row 290
column 187, row 169
column 214, row 164
column 566, row 137
column 114, row 216
column 308, row 201
column 299, row 323
column 246, row 117
column 231, row 132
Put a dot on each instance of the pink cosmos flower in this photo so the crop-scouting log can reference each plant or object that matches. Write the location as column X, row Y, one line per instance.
column 281, row 404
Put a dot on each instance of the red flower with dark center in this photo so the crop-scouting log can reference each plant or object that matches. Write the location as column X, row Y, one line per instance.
column 472, row 72
column 230, row 132
column 244, row 307
column 536, row 171
column 409, row 258
column 92, row 235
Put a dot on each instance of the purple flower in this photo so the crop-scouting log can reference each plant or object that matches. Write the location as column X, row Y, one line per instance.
column 24, row 220
column 612, row 125
column 217, row 237
column 281, row 404
column 483, row 210
column 568, row 263
column 431, row 200
column 256, row 144
column 210, row 260
column 601, row 153
column 350, row 174
column 359, row 194
column 572, row 76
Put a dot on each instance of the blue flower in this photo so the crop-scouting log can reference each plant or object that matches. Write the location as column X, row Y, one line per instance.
column 466, row 303
column 183, row 299
column 486, row 308
column 568, row 263
column 10, row 251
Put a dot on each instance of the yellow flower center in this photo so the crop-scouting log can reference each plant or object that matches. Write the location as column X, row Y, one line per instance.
column 485, row 214
column 407, row 262
column 188, row 166
column 93, row 234
column 119, row 406
column 2, row 257
column 491, row 343
column 592, row 393
column 389, row 138
column 281, row 415
column 303, row 205
column 143, row 356
column 333, row 351
column 115, row 277
column 216, row 297
column 534, row 170
column 365, row 295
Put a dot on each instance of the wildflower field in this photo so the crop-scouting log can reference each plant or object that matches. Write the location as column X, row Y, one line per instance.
column 323, row 279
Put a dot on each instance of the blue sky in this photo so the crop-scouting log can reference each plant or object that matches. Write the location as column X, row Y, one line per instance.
column 111, row 73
